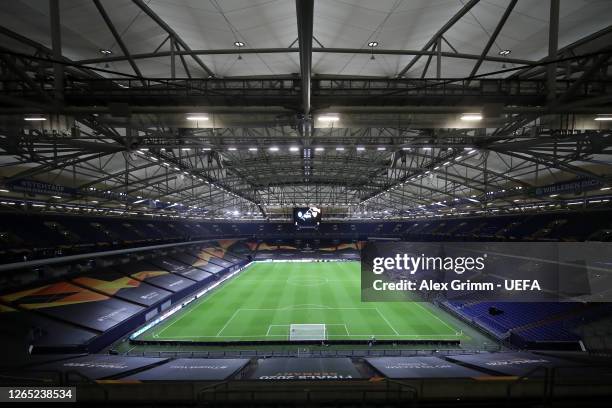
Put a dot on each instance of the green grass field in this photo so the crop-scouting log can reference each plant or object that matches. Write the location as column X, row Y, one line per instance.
column 263, row 301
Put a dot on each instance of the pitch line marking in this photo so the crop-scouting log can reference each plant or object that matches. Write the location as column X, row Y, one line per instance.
column 436, row 316
column 226, row 323
column 275, row 325
column 386, row 321
column 339, row 324
column 197, row 304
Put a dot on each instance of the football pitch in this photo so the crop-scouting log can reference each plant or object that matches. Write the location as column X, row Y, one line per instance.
column 263, row 301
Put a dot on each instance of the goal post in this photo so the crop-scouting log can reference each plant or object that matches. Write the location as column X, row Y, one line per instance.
column 302, row 332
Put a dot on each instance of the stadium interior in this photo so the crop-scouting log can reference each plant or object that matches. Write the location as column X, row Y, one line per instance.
column 188, row 190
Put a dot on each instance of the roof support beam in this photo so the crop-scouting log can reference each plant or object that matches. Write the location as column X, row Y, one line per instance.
column 493, row 37
column 551, row 162
column 553, row 45
column 439, row 58
column 70, row 65
column 305, row 11
column 117, row 37
column 424, row 74
column 439, row 33
column 20, row 72
column 56, row 44
column 328, row 50
column 172, row 59
column 173, row 33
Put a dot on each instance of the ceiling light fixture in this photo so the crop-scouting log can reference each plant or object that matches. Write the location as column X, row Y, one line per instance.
column 360, row 148
column 603, row 118
column 381, row 148
column 273, row 149
column 197, row 117
column 34, row 119
column 231, row 149
column 471, row 117
column 239, row 44
column 252, row 149
column 340, row 148
column 328, row 118
column 319, row 149
column 504, row 52
column 294, row 149
column 105, row 51
column 373, row 44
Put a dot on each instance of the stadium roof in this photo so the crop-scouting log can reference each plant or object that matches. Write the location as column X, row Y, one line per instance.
column 244, row 109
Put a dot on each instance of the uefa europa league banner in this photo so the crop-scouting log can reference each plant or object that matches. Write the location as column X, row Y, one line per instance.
column 487, row 271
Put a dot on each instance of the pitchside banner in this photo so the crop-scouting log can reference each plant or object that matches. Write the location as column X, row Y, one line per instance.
column 487, row 271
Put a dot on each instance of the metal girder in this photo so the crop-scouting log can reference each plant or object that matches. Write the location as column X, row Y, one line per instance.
column 117, row 37
column 147, row 10
column 419, row 163
column 305, row 10
column 74, row 69
column 56, row 44
column 326, row 50
column 228, row 96
column 466, row 8
column 598, row 40
column 493, row 36
column 49, row 164
column 19, row 72
column 553, row 47
column 554, row 163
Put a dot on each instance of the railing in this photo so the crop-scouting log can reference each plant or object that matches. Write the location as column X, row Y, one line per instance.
column 551, row 387
column 269, row 391
column 551, row 380
column 356, row 353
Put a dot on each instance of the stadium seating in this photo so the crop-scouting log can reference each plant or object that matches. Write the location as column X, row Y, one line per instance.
column 86, row 312
column 35, row 236
column 30, row 236
column 529, row 323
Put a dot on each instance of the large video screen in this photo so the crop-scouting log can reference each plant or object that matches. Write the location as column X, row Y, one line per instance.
column 307, row 217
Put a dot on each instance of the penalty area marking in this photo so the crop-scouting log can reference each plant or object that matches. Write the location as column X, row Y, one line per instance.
column 303, row 307
column 275, row 325
column 314, row 307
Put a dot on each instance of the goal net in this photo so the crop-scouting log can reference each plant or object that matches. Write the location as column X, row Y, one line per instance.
column 300, row 332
